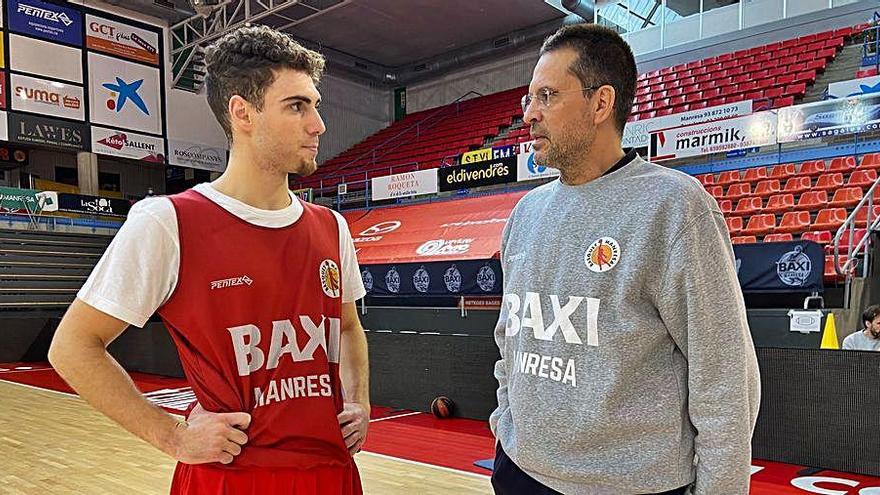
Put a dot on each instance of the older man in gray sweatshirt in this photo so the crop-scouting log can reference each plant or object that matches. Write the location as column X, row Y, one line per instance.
column 626, row 366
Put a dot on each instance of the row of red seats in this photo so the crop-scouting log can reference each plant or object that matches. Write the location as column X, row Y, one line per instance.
column 755, row 51
column 797, row 221
column 724, row 86
column 860, row 179
column 847, row 197
column 823, row 237
column 811, row 168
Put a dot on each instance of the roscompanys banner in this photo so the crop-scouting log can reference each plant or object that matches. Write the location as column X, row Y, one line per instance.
column 194, row 155
column 478, row 174
column 829, row 118
column 404, row 185
column 487, row 154
column 714, row 137
column 13, row 200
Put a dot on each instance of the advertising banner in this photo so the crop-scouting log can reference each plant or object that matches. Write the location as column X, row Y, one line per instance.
column 714, row 137
column 457, row 278
column 128, row 144
column 404, row 185
column 527, row 169
column 48, row 132
column 45, row 59
column 93, row 205
column 487, row 154
column 124, row 94
column 829, row 118
column 45, row 20
column 478, row 174
column 193, row 155
column 780, row 266
column 49, row 98
column 637, row 134
column 854, row 87
column 122, row 40
column 13, row 200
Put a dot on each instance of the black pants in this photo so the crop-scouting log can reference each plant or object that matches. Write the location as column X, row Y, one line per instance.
column 509, row 479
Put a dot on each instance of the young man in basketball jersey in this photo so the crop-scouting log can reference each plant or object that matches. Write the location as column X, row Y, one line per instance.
column 256, row 288
column 627, row 366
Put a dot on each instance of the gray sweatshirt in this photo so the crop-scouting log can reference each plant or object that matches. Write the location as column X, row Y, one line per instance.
column 627, row 366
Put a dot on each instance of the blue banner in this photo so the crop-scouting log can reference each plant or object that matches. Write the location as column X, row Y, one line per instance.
column 439, row 278
column 45, row 20
column 780, row 266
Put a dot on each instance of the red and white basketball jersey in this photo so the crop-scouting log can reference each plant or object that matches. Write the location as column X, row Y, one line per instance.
column 256, row 317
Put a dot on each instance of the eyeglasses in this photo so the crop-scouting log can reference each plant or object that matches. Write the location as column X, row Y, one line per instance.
column 545, row 96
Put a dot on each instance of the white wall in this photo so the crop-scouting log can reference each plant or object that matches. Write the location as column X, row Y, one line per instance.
column 485, row 78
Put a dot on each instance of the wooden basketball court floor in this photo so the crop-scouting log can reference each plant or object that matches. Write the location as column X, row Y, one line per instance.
column 55, row 443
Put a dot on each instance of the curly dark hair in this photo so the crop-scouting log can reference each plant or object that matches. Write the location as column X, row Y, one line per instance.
column 242, row 63
column 870, row 313
column 603, row 58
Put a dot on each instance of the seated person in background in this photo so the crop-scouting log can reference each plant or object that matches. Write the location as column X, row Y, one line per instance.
column 868, row 339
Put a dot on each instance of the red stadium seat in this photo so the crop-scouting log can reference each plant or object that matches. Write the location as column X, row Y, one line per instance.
column 797, row 185
column 739, row 190
column 862, row 216
column 794, row 221
column 783, row 171
column 778, row 237
column 862, row 178
column 780, row 203
column 706, row 179
column 728, row 177
column 734, row 224
column 725, row 205
column 820, row 236
column 748, row 206
column 716, row 192
column 812, row 168
column 755, row 174
column 760, row 224
column 870, row 161
column 829, row 219
column 829, row 181
column 845, row 242
column 844, row 164
column 813, row 200
column 767, row 187
column 830, row 273
column 846, row 197
column 744, row 239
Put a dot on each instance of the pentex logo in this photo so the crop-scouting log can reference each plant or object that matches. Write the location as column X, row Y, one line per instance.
column 45, row 14
column 231, row 282
column 122, row 92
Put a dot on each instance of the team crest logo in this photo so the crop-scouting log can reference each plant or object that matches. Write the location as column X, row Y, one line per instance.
column 452, row 277
column 421, row 280
column 392, row 280
column 794, row 267
column 602, row 255
column 330, row 279
column 368, row 279
column 486, row 278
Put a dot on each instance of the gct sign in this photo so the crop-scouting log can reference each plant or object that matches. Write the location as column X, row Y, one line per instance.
column 104, row 29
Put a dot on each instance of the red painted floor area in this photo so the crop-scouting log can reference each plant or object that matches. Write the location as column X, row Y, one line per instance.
column 456, row 443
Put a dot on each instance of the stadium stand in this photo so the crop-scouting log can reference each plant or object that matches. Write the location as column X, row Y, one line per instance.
column 776, row 74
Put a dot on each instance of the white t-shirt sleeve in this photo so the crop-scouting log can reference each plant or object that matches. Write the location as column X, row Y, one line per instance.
column 352, row 284
column 138, row 272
